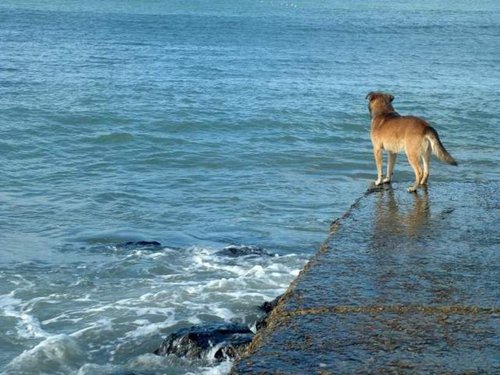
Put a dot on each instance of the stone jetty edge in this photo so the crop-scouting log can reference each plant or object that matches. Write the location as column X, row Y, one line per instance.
column 282, row 315
column 278, row 315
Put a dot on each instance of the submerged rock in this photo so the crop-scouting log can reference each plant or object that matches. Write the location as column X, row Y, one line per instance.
column 146, row 245
column 217, row 341
column 234, row 251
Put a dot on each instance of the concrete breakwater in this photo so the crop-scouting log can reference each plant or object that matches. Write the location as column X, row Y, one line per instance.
column 405, row 283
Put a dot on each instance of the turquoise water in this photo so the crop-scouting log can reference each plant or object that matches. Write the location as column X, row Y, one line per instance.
column 203, row 124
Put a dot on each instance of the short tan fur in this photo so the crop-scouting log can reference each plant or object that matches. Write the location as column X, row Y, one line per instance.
column 394, row 133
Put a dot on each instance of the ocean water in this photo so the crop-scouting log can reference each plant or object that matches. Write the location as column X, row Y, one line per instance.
column 200, row 125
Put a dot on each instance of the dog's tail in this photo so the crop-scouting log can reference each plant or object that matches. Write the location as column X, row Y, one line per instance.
column 438, row 148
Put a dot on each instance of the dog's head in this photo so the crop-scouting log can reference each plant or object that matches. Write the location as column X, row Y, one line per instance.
column 379, row 103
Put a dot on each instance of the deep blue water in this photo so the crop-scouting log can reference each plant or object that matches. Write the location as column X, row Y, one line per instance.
column 203, row 124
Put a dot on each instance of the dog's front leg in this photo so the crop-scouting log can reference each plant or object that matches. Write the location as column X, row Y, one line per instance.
column 391, row 161
column 377, row 153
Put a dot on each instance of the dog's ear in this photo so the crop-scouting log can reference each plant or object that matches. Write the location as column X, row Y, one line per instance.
column 391, row 97
column 371, row 95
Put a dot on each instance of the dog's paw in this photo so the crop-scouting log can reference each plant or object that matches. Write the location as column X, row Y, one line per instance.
column 412, row 189
column 386, row 180
column 378, row 182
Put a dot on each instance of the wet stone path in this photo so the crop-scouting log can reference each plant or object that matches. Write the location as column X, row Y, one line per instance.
column 405, row 283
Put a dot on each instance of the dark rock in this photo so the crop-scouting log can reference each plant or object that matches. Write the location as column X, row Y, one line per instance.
column 146, row 245
column 213, row 342
column 217, row 341
column 261, row 323
column 234, row 251
column 267, row 307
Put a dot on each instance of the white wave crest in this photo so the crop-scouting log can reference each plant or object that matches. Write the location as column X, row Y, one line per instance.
column 56, row 354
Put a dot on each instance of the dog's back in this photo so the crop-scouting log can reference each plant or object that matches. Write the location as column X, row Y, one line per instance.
column 396, row 133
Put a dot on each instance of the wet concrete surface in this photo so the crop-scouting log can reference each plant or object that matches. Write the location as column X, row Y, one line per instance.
column 406, row 283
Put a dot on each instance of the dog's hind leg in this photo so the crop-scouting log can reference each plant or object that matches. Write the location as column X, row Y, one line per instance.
column 414, row 161
column 426, row 160
column 391, row 161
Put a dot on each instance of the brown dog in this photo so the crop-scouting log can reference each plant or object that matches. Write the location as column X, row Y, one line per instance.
column 394, row 133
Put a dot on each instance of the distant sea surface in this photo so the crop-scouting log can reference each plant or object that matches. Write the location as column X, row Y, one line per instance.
column 201, row 125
